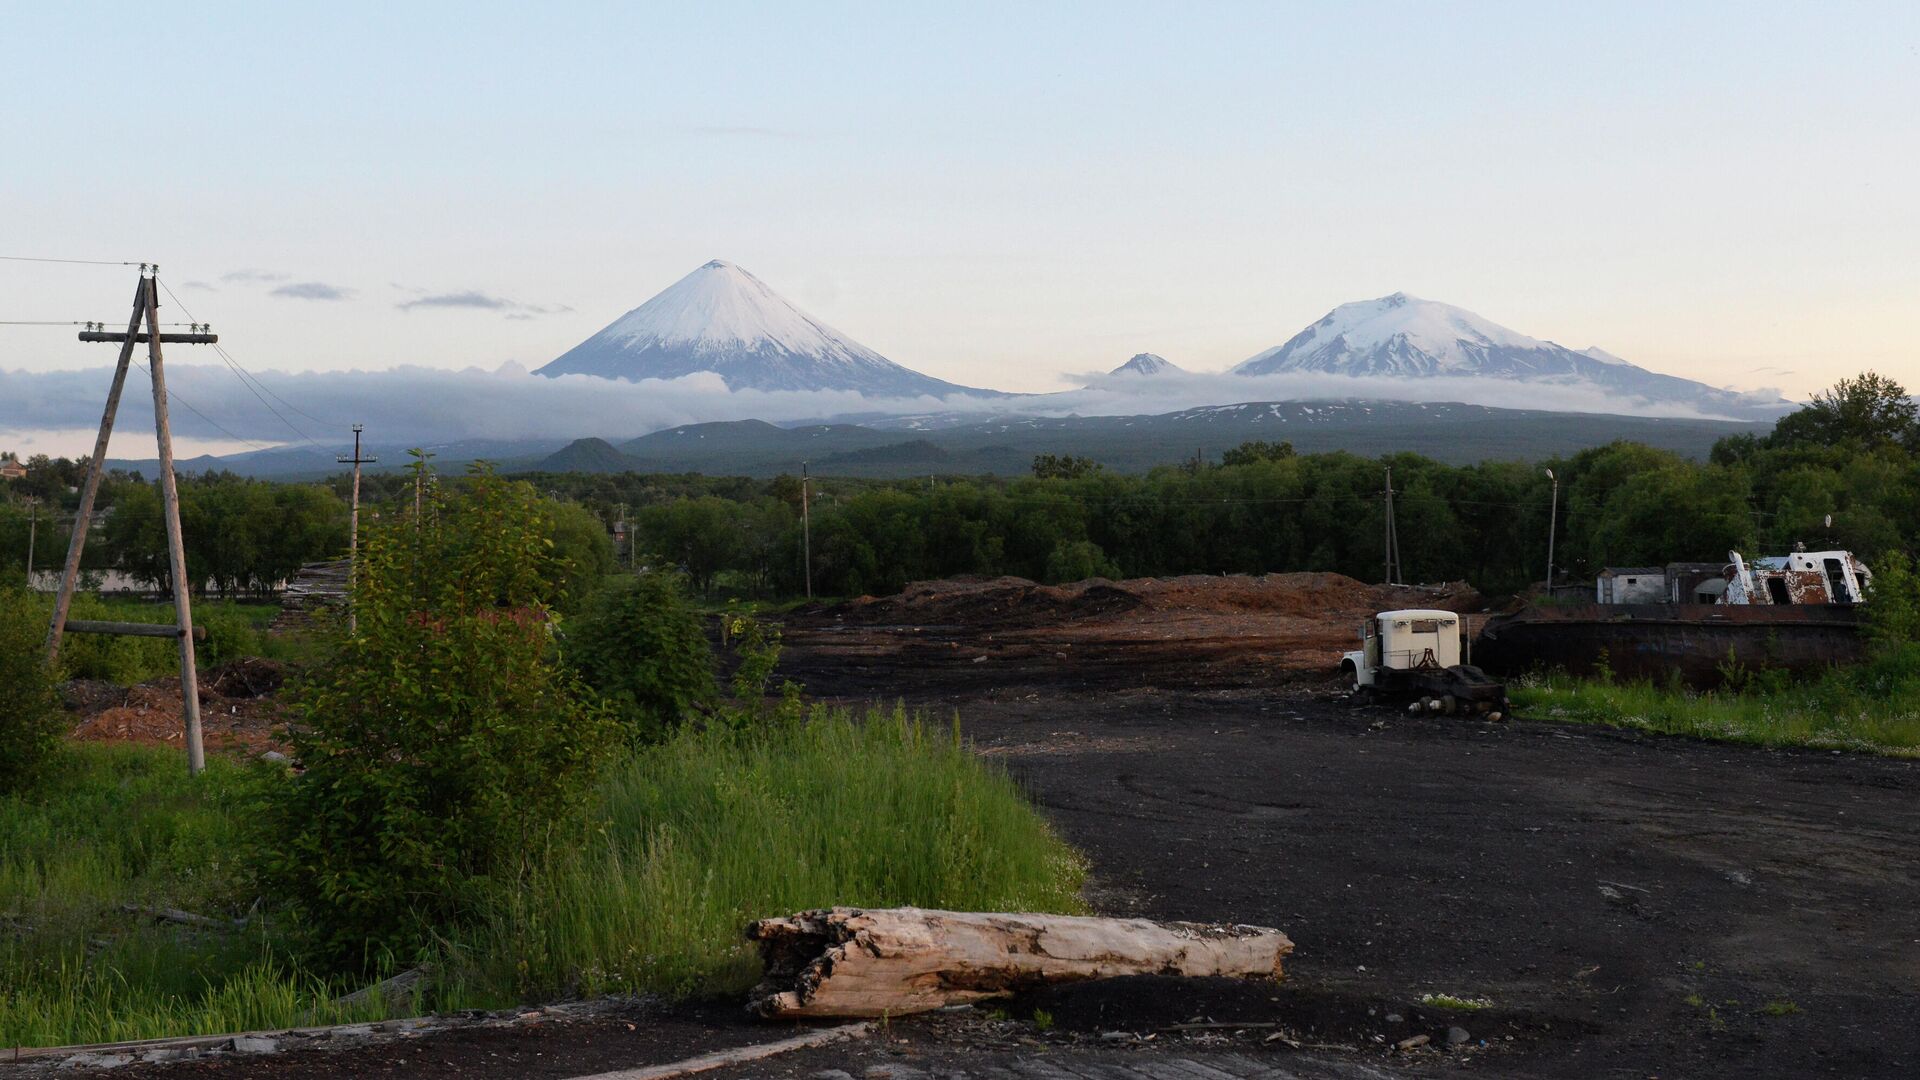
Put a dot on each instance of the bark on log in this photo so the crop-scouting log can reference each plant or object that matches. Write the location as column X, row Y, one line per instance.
column 858, row 962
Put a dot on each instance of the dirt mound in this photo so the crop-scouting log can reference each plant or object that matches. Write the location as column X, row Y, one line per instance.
column 1013, row 601
column 237, row 710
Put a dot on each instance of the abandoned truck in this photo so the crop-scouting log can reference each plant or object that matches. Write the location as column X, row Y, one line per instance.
column 1414, row 655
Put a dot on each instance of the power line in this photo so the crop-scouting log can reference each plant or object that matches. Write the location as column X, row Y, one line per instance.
column 252, row 382
column 77, row 262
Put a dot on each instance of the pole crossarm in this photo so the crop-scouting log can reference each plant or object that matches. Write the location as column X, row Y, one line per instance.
column 116, row 337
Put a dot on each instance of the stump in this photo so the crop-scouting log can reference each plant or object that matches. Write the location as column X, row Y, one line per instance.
column 857, row 962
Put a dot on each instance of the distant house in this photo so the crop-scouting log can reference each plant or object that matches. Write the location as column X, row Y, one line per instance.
column 11, row 469
column 1631, row 585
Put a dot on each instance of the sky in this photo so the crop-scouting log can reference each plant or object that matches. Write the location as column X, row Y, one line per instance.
column 997, row 195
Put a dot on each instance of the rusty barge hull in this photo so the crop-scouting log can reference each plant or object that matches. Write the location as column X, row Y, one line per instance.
column 1653, row 641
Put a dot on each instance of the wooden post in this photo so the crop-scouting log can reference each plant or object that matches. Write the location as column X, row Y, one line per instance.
column 33, row 533
column 806, row 532
column 176, row 544
column 83, row 517
column 353, row 530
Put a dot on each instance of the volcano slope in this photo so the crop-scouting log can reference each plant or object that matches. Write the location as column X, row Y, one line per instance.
column 1629, row 905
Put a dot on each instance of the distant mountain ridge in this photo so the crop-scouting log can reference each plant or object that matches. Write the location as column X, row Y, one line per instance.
column 1449, row 431
column 722, row 319
column 1402, row 336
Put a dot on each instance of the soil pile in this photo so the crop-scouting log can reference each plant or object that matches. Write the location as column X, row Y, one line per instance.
column 237, row 710
column 1012, row 602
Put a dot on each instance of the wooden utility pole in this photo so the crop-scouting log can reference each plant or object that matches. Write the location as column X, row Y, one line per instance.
column 33, row 529
column 1394, row 569
column 806, row 532
column 353, row 527
column 146, row 306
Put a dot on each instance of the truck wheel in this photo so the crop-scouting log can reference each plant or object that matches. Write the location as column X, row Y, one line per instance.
column 1449, row 704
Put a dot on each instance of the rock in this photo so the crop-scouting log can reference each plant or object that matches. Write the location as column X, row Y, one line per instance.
column 274, row 756
column 1410, row 1043
column 832, row 1074
column 1395, row 1018
column 97, row 1061
column 1458, row 1036
column 1116, row 1036
column 254, row 1044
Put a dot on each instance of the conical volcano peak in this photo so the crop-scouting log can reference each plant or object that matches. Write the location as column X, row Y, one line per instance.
column 721, row 318
column 1146, row 363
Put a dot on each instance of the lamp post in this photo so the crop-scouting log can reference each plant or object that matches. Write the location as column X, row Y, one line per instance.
column 1553, row 519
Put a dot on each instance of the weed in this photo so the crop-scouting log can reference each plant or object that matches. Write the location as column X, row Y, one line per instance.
column 1042, row 1020
column 1870, row 707
column 1779, row 1008
column 1455, row 1002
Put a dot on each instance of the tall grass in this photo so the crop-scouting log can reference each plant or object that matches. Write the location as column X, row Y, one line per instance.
column 716, row 828
column 688, row 841
column 119, row 825
column 1873, row 708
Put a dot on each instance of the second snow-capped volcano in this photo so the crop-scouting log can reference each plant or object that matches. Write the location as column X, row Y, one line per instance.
column 1405, row 336
column 724, row 320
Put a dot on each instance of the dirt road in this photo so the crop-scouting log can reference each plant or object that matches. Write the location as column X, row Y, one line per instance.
column 1631, row 906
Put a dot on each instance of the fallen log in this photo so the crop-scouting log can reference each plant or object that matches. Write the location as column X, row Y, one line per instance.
column 858, row 962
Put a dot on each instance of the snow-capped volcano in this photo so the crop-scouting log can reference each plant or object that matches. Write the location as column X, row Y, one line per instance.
column 722, row 319
column 1401, row 335
column 1147, row 363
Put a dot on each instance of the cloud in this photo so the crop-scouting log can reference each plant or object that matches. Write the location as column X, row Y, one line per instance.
column 475, row 300
column 312, row 290
column 510, row 404
column 200, row 285
column 253, row 277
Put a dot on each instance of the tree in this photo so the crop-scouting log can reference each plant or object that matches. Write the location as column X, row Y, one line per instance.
column 443, row 742
column 1258, row 450
column 1063, row 467
column 1868, row 410
column 641, row 646
column 30, row 717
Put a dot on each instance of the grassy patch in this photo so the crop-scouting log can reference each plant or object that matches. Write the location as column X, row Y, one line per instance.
column 689, row 841
column 121, row 825
column 1873, row 708
column 716, row 828
column 1779, row 1008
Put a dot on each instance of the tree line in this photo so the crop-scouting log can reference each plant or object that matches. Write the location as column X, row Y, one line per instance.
column 1842, row 472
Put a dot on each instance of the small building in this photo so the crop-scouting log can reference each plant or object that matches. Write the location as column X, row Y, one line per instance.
column 1631, row 585
column 11, row 469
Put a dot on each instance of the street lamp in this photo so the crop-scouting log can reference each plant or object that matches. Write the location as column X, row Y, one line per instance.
column 1553, row 519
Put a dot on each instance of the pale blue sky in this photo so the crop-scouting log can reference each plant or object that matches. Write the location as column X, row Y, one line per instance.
column 999, row 195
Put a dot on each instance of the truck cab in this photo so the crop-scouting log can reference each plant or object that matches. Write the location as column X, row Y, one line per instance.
column 1405, row 640
column 1413, row 654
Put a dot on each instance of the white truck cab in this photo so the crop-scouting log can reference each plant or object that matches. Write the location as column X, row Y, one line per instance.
column 1404, row 640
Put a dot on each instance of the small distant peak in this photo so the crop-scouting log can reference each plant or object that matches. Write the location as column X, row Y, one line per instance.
column 1145, row 363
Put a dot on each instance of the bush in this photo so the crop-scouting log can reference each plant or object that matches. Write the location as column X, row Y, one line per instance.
column 30, row 719
column 1078, row 560
column 443, row 743
column 639, row 644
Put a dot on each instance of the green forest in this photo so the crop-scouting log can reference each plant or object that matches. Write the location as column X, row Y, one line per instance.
column 1841, row 472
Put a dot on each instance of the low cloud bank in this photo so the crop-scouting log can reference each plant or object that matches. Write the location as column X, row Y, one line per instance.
column 432, row 405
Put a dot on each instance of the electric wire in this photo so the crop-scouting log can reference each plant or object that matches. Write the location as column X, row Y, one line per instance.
column 252, row 382
column 77, row 262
